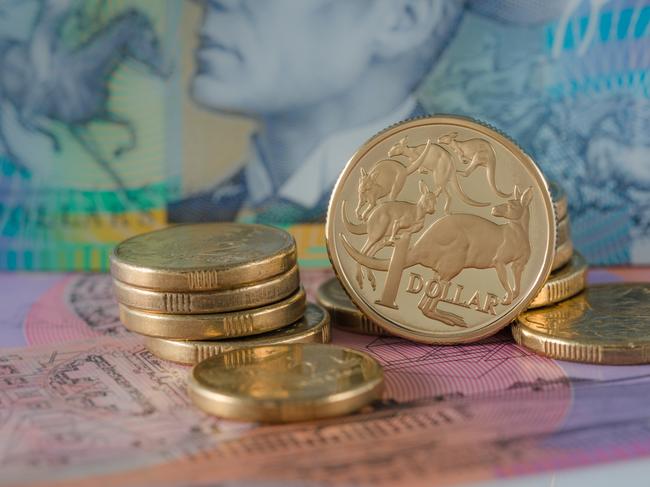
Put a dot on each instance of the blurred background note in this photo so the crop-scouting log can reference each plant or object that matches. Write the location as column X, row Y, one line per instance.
column 120, row 116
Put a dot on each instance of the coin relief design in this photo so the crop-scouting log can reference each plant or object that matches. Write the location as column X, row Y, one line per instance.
column 452, row 232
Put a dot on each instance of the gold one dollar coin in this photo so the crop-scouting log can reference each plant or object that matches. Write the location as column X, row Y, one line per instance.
column 441, row 230
column 607, row 324
column 282, row 383
column 313, row 327
column 203, row 257
column 251, row 296
column 563, row 283
column 215, row 325
column 344, row 314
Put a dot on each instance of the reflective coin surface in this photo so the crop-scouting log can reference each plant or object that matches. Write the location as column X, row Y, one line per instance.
column 251, row 296
column 560, row 200
column 344, row 314
column 607, row 324
column 441, row 230
column 204, row 256
column 313, row 327
column 563, row 283
column 563, row 253
column 282, row 383
column 215, row 325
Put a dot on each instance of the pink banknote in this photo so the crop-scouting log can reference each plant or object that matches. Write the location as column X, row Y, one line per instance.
column 104, row 411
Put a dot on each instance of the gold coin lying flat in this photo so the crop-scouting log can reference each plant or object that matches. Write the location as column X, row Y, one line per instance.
column 215, row 325
column 441, row 230
column 282, row 383
column 344, row 314
column 559, row 199
column 252, row 296
column 314, row 327
column 563, row 254
column 563, row 283
column 202, row 257
column 607, row 324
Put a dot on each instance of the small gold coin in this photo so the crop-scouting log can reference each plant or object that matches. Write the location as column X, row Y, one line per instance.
column 314, row 327
column 607, row 324
column 215, row 325
column 441, row 230
column 560, row 200
column 203, row 257
column 563, row 283
column 344, row 314
column 251, row 296
column 563, row 254
column 282, row 383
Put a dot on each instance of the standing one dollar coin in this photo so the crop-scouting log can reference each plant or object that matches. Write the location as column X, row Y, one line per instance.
column 203, row 257
column 282, row 383
column 607, row 324
column 441, row 230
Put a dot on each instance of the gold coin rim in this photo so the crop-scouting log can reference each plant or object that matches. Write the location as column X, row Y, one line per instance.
column 169, row 279
column 204, row 302
column 244, row 408
column 567, row 282
column 190, row 352
column 560, row 199
column 574, row 351
column 346, row 318
column 562, row 255
column 484, row 330
column 215, row 325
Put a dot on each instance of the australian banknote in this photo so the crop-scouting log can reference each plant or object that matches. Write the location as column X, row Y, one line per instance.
column 86, row 404
column 138, row 114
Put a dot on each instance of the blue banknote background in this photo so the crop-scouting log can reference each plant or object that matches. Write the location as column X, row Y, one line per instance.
column 91, row 155
column 573, row 92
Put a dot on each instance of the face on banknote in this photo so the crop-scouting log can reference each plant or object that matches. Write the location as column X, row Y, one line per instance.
column 138, row 114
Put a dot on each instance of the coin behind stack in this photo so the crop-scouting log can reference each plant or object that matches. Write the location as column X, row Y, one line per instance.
column 344, row 314
column 563, row 283
column 282, row 383
column 313, row 327
column 606, row 324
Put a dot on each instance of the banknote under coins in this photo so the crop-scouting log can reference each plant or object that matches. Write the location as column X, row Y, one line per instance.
column 283, row 383
column 313, row 327
column 435, row 254
column 606, row 324
column 343, row 312
column 203, row 257
column 215, row 325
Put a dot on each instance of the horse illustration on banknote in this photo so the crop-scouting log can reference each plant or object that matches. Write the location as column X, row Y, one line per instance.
column 47, row 82
column 450, row 244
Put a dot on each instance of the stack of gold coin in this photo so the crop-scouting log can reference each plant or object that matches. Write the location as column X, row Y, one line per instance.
column 198, row 290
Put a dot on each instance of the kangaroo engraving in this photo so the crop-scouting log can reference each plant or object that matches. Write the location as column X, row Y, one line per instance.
column 476, row 153
column 440, row 164
column 461, row 241
column 387, row 222
column 387, row 177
